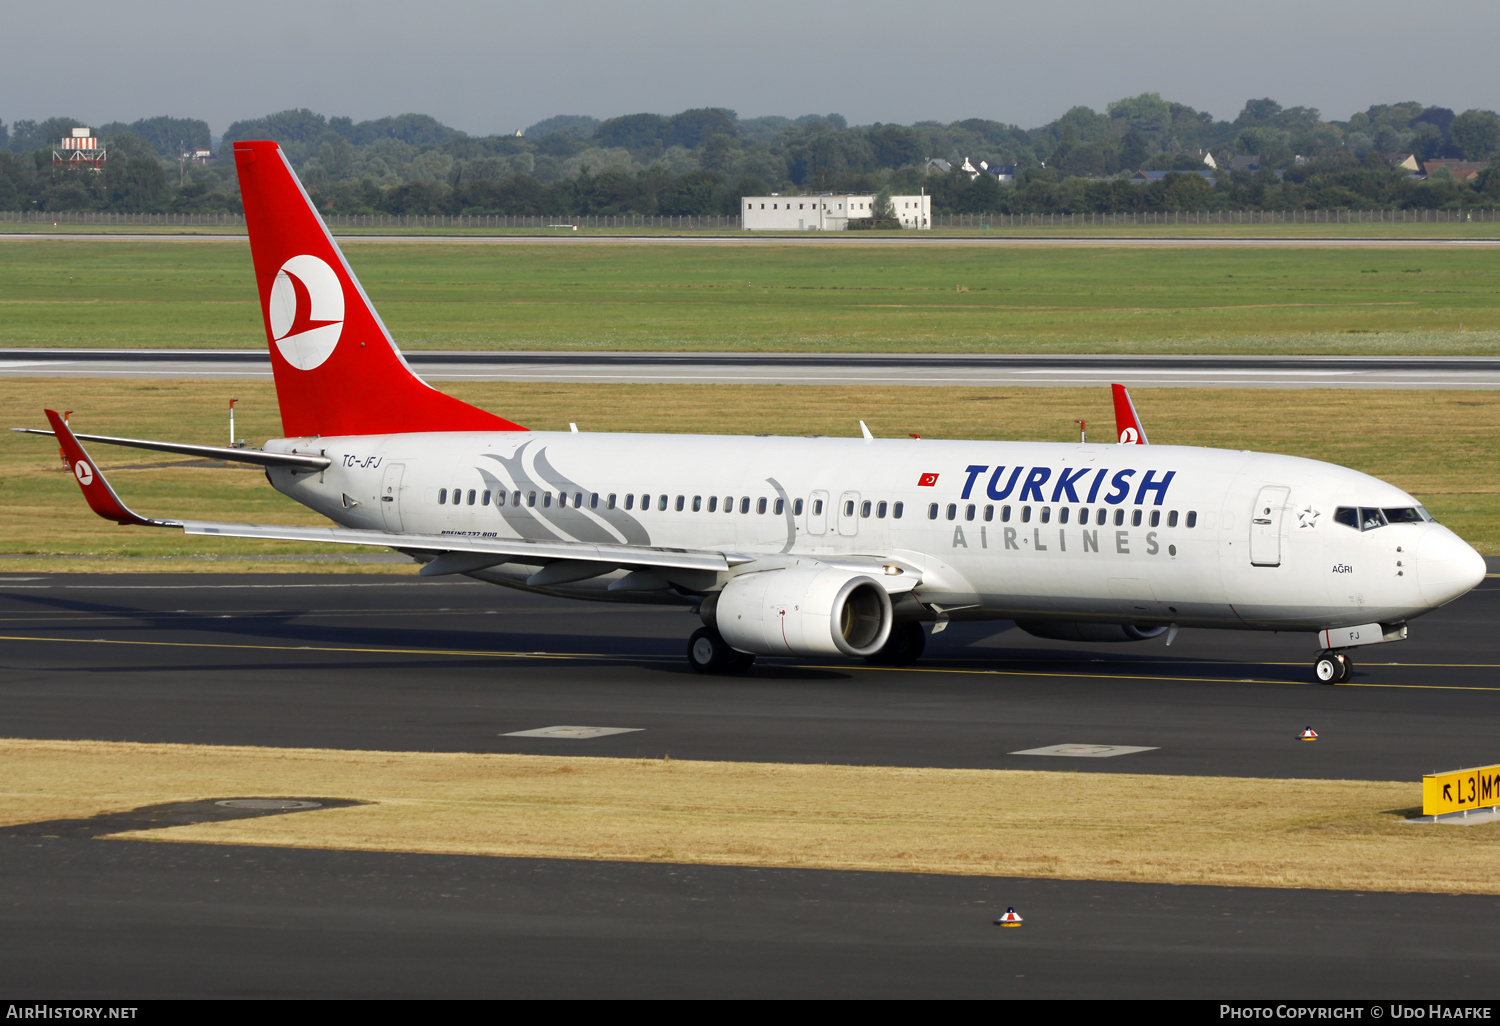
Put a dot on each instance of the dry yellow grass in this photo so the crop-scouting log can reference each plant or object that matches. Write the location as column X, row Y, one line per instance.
column 1096, row 826
column 1438, row 445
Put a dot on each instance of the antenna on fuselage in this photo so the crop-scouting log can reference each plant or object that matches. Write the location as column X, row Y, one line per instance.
column 1083, row 430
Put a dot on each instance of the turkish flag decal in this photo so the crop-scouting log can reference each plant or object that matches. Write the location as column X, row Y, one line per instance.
column 927, row 481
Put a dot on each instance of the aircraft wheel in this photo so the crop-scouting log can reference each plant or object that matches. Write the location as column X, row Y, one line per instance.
column 1333, row 668
column 707, row 652
column 905, row 645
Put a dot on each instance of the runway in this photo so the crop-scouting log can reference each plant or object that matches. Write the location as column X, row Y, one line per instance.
column 931, row 370
column 397, row 663
column 564, row 237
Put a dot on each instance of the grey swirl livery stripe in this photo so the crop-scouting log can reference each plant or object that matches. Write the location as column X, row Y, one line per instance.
column 539, row 523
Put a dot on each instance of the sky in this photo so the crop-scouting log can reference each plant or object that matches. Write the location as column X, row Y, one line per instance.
column 487, row 67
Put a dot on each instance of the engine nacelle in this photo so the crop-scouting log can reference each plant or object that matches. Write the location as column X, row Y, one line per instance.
column 1094, row 632
column 806, row 608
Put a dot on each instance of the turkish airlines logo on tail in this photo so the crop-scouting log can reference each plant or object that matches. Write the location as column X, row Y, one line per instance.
column 306, row 311
column 84, row 473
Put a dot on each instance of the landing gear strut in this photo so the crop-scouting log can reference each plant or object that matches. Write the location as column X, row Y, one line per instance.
column 708, row 652
column 1333, row 667
column 903, row 647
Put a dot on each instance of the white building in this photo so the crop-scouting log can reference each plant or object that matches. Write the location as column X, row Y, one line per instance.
column 827, row 211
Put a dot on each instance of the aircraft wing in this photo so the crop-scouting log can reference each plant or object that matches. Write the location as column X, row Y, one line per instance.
column 457, row 553
column 217, row 452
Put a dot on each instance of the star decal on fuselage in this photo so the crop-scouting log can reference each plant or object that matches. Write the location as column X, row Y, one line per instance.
column 1307, row 517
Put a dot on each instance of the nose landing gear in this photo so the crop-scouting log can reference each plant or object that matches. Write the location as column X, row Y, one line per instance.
column 1333, row 667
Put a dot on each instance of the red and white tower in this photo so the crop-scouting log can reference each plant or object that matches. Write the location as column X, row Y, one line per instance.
column 79, row 150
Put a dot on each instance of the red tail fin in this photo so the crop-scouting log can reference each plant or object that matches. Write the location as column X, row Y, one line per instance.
column 1127, row 424
column 338, row 372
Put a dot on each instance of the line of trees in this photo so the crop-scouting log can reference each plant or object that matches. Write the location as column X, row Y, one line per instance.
column 701, row 161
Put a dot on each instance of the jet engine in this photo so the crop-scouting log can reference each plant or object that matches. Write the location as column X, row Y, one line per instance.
column 1094, row 632
column 806, row 608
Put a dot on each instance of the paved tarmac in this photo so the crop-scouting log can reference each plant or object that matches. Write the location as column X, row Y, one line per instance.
column 564, row 237
column 955, row 370
column 380, row 662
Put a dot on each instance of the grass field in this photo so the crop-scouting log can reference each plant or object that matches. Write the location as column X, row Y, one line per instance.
column 785, row 298
column 1383, row 230
column 1439, row 446
column 1080, row 826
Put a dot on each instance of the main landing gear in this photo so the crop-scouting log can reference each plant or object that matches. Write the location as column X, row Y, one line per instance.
column 903, row 647
column 708, row 652
column 1333, row 667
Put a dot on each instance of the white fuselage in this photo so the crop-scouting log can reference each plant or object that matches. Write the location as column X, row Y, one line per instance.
column 1022, row 530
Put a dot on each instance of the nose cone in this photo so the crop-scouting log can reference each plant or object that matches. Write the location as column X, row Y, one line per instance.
column 1446, row 566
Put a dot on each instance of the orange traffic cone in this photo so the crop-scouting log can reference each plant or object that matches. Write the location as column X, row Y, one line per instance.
column 1309, row 735
column 1009, row 919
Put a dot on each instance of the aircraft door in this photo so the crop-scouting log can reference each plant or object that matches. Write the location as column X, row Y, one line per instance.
column 848, row 514
column 390, row 496
column 817, row 513
column 1265, row 525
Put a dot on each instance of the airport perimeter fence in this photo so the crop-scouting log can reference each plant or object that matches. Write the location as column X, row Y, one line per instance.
column 684, row 222
column 732, row 221
column 1168, row 217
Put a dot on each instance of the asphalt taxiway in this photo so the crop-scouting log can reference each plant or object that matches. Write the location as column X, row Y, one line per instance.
column 395, row 663
column 969, row 370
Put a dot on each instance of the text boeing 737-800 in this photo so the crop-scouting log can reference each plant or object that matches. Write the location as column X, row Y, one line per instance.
column 802, row 546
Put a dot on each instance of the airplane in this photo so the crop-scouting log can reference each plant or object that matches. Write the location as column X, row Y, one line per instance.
column 800, row 546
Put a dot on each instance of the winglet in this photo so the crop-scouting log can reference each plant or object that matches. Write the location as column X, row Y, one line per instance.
column 1127, row 422
column 101, row 497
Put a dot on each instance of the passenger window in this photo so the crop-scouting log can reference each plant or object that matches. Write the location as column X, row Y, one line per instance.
column 609, row 503
column 472, row 496
column 484, row 500
column 546, row 500
column 897, row 510
column 1025, row 514
column 1046, row 514
column 458, row 496
column 989, row 513
column 952, row 511
column 796, row 507
column 1192, row 518
column 780, row 507
column 880, row 510
column 932, row 511
column 744, row 504
column 594, row 501
column 1172, row 519
column 864, row 509
column 969, row 511
column 1135, row 518
column 1083, row 517
column 1005, row 514
column 630, row 500
column 817, row 507
column 713, row 504
column 645, row 502
column 499, row 498
column 1370, row 519
column 1119, row 518
column 1102, row 517
column 760, row 505
column 562, row 500
column 1062, row 514
column 697, row 504
column 442, row 496
column 729, row 504
column 661, row 502
column 577, row 500
column 849, row 508
column 1156, row 518
column 531, row 499
column 681, row 503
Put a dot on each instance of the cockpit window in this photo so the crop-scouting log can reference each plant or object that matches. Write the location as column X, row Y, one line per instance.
column 1408, row 515
column 1369, row 519
column 1348, row 516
